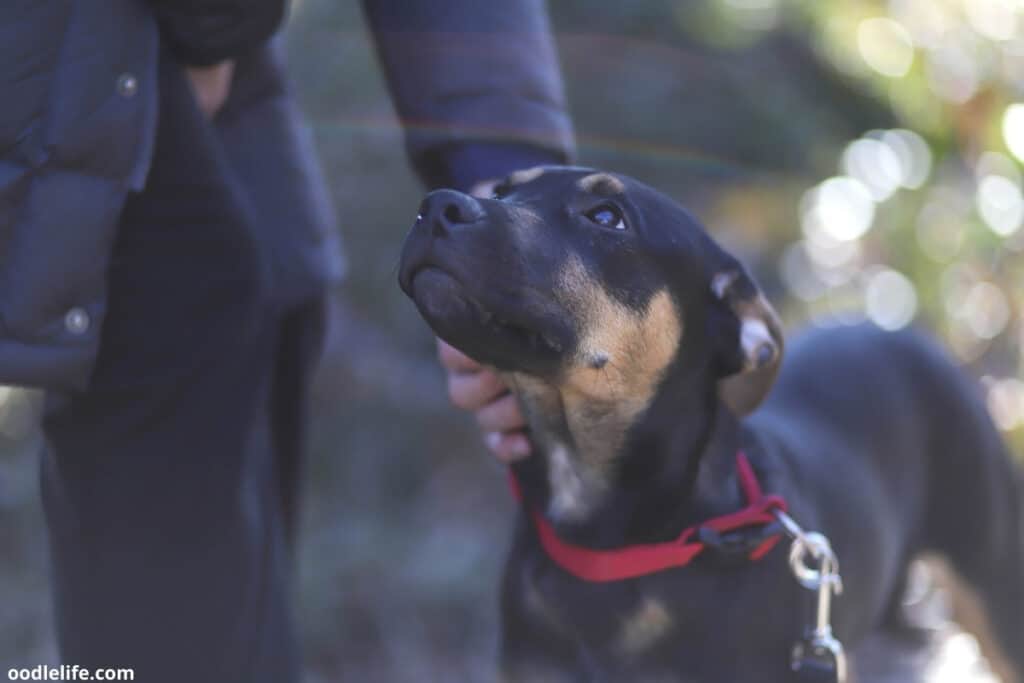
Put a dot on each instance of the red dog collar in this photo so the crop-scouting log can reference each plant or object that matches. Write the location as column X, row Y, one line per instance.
column 640, row 560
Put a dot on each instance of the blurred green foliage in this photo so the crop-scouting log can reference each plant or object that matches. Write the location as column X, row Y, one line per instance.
column 863, row 156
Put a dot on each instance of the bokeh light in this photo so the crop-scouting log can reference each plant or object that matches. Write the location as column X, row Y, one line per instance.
column 986, row 310
column 1005, row 398
column 875, row 165
column 926, row 21
column 958, row 662
column 1013, row 129
column 885, row 161
column 914, row 156
column 952, row 72
column 885, row 46
column 841, row 209
column 890, row 299
column 993, row 19
column 1000, row 204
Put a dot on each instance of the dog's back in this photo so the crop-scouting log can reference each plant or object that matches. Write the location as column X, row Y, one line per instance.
column 887, row 419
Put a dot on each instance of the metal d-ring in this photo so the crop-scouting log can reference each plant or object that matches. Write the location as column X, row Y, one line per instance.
column 813, row 545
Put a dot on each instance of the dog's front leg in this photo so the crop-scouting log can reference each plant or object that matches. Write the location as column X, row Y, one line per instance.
column 531, row 655
column 536, row 645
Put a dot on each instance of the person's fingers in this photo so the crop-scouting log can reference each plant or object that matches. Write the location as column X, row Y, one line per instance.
column 454, row 360
column 473, row 390
column 484, row 188
column 481, row 391
column 508, row 447
column 211, row 85
column 502, row 415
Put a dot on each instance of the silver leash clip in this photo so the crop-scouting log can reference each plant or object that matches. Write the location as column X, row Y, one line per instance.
column 818, row 655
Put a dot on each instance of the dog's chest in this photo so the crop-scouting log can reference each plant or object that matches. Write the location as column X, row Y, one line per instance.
column 687, row 626
column 621, row 618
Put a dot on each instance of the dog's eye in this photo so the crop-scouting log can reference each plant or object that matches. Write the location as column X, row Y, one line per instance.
column 500, row 191
column 607, row 216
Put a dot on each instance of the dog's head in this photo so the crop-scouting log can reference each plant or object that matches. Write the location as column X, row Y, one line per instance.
column 588, row 289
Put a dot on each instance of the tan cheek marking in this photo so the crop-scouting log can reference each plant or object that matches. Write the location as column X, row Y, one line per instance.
column 601, row 183
column 539, row 400
column 605, row 401
column 525, row 175
column 635, row 348
column 597, row 404
column 650, row 623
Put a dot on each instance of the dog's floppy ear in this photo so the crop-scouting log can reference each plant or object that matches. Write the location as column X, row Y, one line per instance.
column 752, row 349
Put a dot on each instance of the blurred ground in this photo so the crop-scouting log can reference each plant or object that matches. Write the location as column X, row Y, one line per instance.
column 773, row 120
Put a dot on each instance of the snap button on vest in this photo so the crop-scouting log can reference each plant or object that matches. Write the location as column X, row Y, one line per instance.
column 76, row 321
column 127, row 85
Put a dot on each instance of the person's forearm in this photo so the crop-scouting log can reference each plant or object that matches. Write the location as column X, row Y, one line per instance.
column 465, row 73
column 207, row 32
column 470, row 164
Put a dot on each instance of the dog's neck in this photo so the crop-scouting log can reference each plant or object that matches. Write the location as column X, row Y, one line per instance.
column 608, row 476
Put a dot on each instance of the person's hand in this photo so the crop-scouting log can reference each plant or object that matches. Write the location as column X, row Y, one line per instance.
column 211, row 85
column 480, row 391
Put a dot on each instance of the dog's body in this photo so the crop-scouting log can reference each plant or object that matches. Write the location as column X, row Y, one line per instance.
column 871, row 437
column 636, row 346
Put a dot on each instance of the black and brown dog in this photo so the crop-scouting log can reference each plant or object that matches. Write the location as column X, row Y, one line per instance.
column 639, row 349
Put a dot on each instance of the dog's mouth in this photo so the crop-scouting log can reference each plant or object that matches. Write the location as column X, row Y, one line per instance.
column 484, row 326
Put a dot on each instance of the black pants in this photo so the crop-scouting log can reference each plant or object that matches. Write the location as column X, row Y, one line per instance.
column 170, row 484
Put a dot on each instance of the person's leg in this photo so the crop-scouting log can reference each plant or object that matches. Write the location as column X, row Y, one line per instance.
column 298, row 350
column 160, row 481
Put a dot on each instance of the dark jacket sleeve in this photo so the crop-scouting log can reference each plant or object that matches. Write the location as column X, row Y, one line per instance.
column 466, row 73
column 205, row 32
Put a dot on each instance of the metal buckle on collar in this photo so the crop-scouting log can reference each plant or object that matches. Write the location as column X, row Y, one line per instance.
column 733, row 548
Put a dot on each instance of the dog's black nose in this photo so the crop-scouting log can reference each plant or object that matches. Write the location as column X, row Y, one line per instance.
column 443, row 211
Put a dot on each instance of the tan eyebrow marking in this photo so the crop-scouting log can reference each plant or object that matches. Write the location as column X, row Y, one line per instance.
column 602, row 184
column 525, row 175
